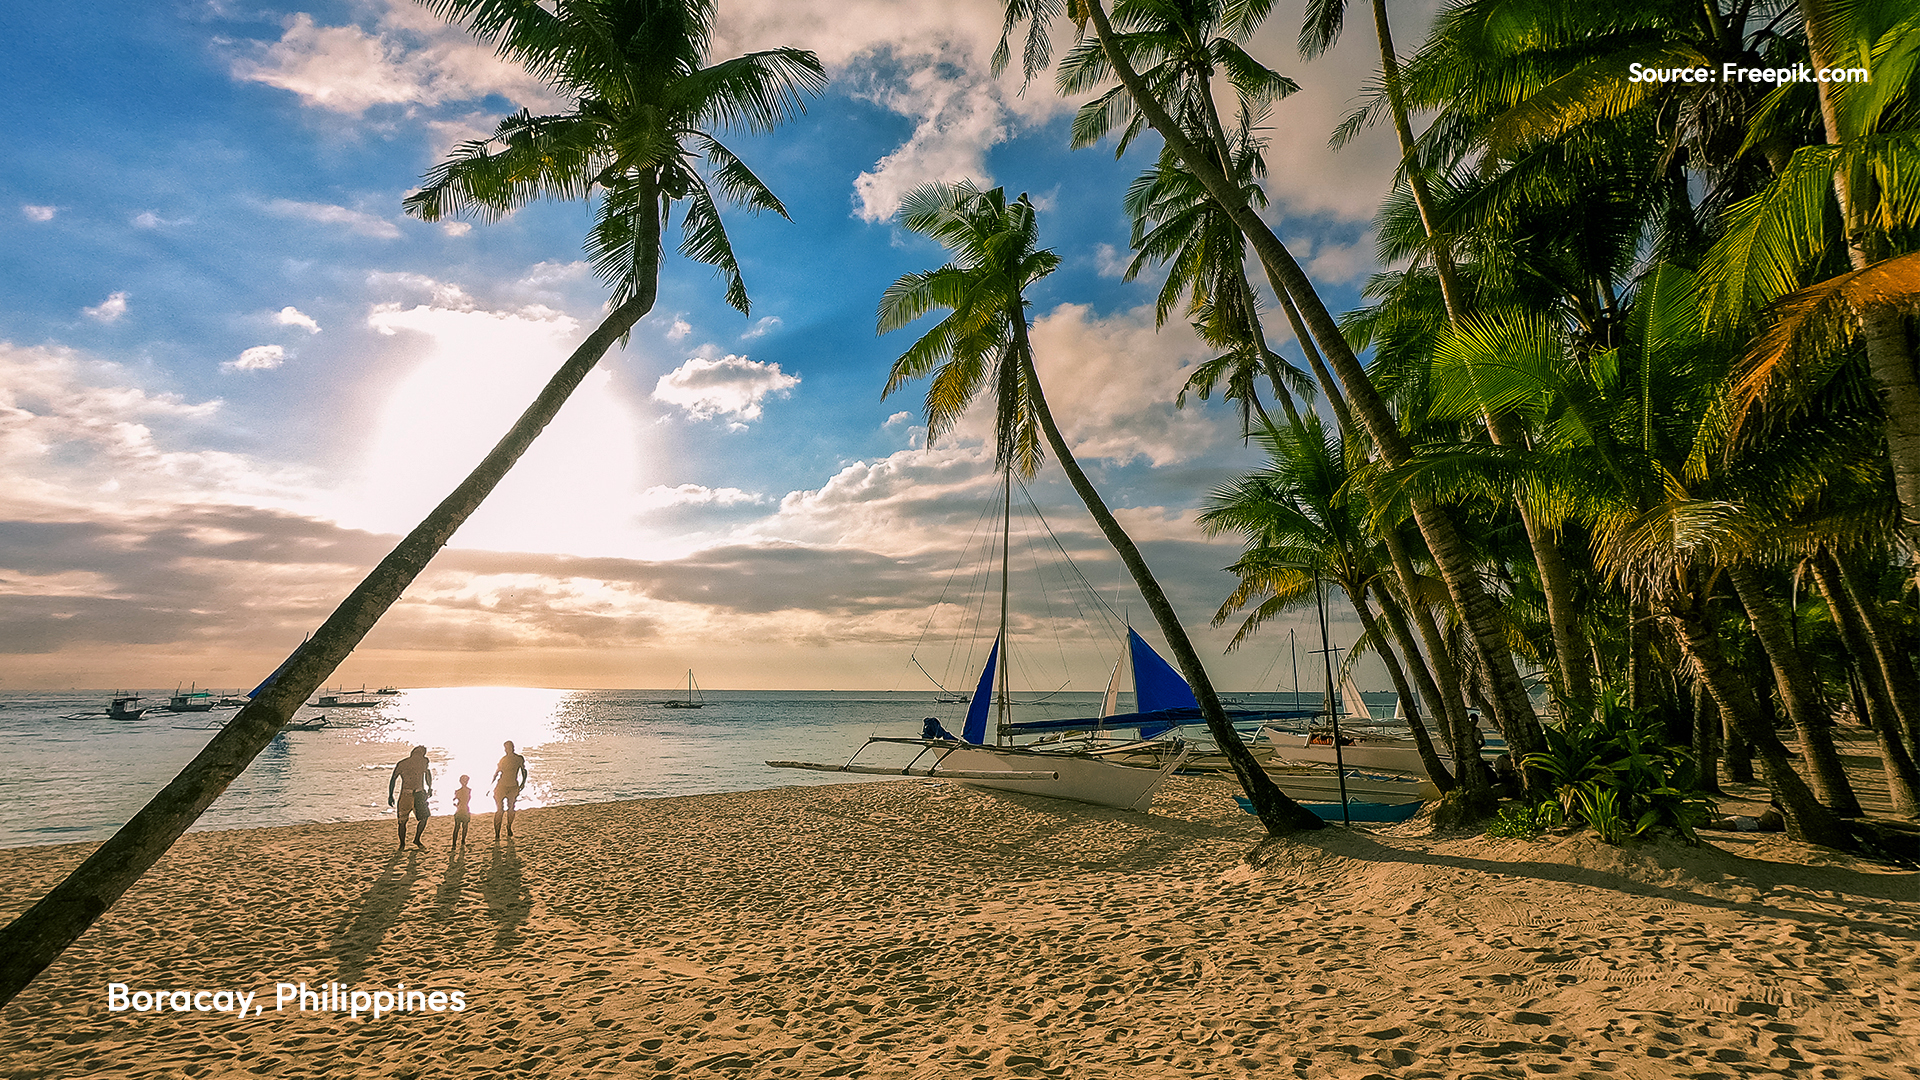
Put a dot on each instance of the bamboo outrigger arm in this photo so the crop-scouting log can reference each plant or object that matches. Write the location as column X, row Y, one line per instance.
column 934, row 771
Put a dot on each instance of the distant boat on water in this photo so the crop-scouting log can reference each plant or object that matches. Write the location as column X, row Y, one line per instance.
column 343, row 699
column 121, row 707
column 193, row 699
column 387, row 691
column 693, row 699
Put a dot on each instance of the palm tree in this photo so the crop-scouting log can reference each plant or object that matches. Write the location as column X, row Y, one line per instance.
column 642, row 103
column 983, row 343
column 1643, row 473
column 1174, row 223
column 1304, row 524
column 1478, row 610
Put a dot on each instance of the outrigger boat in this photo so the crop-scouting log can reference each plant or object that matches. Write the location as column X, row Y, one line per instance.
column 193, row 700
column 1077, row 763
column 345, row 699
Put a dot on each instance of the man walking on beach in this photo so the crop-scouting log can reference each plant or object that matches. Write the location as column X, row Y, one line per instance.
column 416, row 785
column 508, row 779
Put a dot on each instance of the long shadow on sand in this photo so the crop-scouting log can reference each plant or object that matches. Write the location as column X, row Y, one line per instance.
column 1849, row 883
column 508, row 900
column 379, row 910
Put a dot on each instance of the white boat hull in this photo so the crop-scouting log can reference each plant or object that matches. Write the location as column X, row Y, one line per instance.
column 1365, row 754
column 1081, row 778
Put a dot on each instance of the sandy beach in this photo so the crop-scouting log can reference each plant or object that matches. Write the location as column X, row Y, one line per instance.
column 923, row 929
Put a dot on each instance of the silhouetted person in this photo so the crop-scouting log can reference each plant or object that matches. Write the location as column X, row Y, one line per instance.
column 415, row 779
column 462, row 811
column 508, row 779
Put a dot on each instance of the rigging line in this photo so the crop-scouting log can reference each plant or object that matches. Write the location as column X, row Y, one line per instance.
column 1046, row 598
column 935, row 611
column 1095, row 593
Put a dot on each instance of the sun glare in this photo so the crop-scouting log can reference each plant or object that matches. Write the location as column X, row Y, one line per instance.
column 478, row 372
column 462, row 728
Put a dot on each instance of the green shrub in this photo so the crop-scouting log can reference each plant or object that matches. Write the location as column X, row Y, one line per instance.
column 1615, row 772
column 1524, row 821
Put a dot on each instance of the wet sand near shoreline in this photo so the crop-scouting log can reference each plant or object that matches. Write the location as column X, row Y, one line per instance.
column 921, row 929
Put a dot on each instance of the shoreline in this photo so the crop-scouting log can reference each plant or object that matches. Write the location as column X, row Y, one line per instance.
column 921, row 928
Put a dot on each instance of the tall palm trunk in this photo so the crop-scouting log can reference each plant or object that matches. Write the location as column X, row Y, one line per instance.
column 34, row 940
column 1423, row 743
column 1890, row 357
column 1474, row 794
column 1280, row 814
column 1896, row 666
column 1478, row 610
column 1806, row 818
column 1556, row 582
column 1797, row 692
column 1903, row 781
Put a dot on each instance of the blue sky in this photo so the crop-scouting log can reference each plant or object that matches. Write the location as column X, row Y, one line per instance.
column 231, row 370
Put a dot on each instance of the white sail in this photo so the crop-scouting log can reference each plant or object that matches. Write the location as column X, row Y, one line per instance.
column 1356, row 708
column 1110, row 705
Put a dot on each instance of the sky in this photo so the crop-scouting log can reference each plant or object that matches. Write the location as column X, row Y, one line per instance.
column 233, row 372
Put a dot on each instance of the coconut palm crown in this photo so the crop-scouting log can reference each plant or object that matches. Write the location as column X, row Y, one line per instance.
column 996, row 256
column 644, row 101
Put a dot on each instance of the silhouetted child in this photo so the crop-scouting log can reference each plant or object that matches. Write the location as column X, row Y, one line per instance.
column 462, row 813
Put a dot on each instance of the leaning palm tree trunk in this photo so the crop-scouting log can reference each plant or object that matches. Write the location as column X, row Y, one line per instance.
column 1478, row 610
column 1889, row 350
column 1421, row 676
column 1280, row 814
column 1806, row 818
column 1796, row 692
column 1903, row 782
column 34, row 940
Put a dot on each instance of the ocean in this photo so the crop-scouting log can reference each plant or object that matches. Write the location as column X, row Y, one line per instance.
column 68, row 779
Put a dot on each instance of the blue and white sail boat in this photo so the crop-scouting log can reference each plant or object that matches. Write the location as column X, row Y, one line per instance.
column 1079, row 769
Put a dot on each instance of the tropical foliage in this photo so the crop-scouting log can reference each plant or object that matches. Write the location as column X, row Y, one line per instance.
column 1641, row 394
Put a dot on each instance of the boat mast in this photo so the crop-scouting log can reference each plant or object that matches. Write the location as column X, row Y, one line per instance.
column 1006, row 531
column 1326, row 656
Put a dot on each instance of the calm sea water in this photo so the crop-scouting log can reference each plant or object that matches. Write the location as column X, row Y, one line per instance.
column 64, row 780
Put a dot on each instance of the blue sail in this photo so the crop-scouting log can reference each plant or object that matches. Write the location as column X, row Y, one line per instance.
column 975, row 730
column 1156, row 685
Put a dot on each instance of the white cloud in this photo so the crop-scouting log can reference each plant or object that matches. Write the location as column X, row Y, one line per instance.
column 110, row 309
column 38, row 213
column 404, row 60
column 147, row 219
column 1309, row 177
column 927, row 62
column 456, row 228
column 1111, row 382
column 661, row 496
column 679, row 330
column 81, row 432
column 442, row 294
column 760, row 329
column 258, row 358
column 358, row 221
column 731, row 386
column 1109, row 261
column 959, row 120
column 292, row 316
column 898, row 418
column 1336, row 263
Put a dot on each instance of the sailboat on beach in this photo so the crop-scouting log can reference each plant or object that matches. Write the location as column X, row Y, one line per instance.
column 1071, row 762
